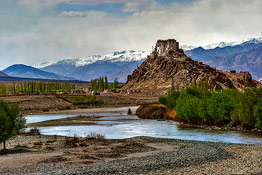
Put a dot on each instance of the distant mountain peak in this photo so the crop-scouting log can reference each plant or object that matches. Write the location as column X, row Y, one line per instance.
column 225, row 44
column 24, row 71
column 117, row 56
column 43, row 64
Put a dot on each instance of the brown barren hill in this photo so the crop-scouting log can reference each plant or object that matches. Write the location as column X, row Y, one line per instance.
column 167, row 62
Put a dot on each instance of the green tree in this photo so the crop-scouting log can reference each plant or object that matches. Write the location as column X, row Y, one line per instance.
column 188, row 108
column 249, row 100
column 258, row 114
column 11, row 121
column 115, row 83
column 106, row 83
column 219, row 107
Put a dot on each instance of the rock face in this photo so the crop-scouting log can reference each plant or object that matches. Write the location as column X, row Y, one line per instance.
column 167, row 62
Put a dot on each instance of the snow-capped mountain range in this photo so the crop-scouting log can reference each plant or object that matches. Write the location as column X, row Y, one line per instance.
column 119, row 65
column 130, row 56
column 124, row 56
column 225, row 44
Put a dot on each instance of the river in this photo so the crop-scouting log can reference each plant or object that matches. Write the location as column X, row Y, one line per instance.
column 116, row 124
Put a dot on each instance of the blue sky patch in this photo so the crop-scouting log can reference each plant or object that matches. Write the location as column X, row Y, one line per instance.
column 166, row 2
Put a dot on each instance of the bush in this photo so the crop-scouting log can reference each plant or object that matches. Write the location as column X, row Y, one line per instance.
column 95, row 136
column 162, row 100
column 100, row 102
column 33, row 131
column 91, row 100
column 113, row 89
column 74, row 102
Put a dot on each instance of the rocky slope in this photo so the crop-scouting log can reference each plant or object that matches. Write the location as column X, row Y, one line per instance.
column 168, row 62
column 250, row 61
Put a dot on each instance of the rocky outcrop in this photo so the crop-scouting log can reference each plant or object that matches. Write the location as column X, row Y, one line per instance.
column 152, row 111
column 168, row 63
column 155, row 111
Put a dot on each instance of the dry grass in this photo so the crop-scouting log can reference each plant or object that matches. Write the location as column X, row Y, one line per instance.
column 95, row 136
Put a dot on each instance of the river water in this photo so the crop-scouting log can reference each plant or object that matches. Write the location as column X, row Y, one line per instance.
column 116, row 124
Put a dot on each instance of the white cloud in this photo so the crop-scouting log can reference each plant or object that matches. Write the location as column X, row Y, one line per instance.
column 97, row 14
column 138, row 5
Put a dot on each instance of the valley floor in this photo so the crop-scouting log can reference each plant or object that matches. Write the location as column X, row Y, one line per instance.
column 139, row 155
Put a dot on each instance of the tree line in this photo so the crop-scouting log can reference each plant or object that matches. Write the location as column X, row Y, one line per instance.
column 199, row 104
column 101, row 83
column 32, row 87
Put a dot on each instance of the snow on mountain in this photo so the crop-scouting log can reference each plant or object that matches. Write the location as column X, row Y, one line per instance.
column 222, row 45
column 252, row 40
column 242, row 43
column 44, row 64
column 185, row 47
column 130, row 56
column 124, row 56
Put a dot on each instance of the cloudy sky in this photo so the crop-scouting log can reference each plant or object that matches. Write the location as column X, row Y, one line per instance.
column 33, row 31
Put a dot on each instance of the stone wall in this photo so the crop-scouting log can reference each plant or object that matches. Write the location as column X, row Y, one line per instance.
column 164, row 46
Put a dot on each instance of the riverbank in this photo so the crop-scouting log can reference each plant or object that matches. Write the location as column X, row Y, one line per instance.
column 139, row 155
column 160, row 112
column 39, row 104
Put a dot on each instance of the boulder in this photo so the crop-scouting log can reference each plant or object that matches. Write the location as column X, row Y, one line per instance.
column 152, row 111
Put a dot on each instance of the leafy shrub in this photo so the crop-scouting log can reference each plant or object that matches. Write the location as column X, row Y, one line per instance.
column 33, row 131
column 162, row 100
column 91, row 100
column 100, row 102
column 74, row 102
column 95, row 136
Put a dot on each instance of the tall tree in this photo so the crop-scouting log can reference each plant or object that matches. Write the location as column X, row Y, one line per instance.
column 115, row 83
column 11, row 121
column 106, row 83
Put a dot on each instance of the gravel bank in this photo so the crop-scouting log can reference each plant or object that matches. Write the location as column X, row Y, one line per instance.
column 180, row 154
